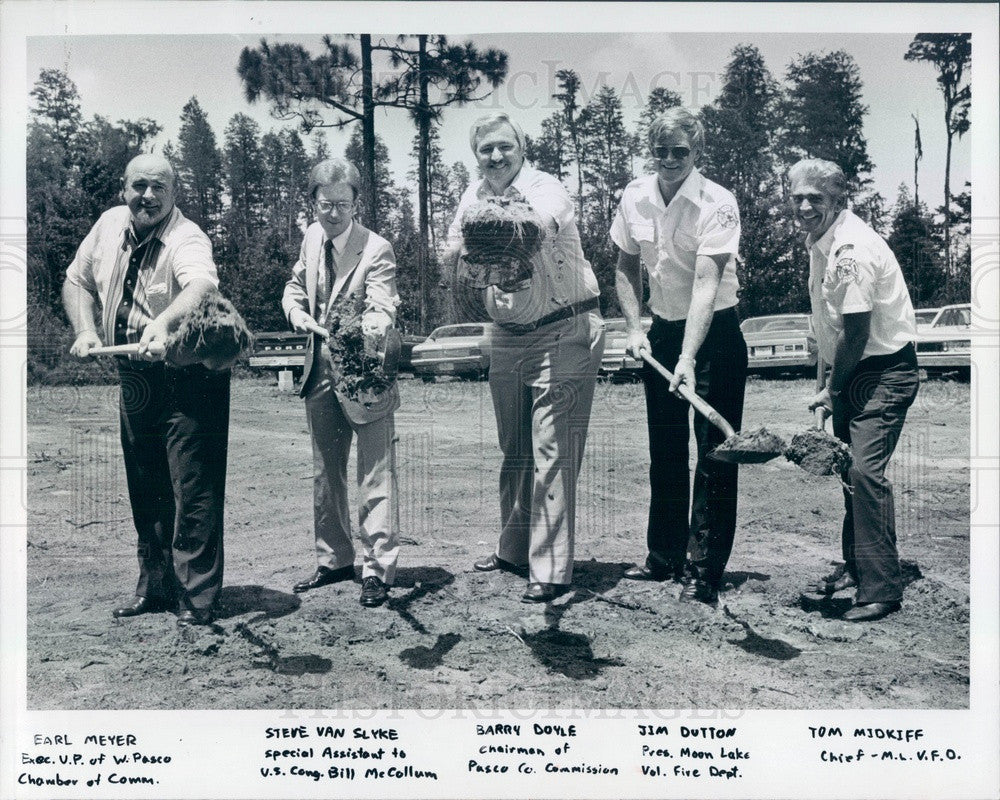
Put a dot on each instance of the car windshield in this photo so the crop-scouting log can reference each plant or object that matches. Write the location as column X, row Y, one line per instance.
column 776, row 324
column 453, row 331
column 925, row 315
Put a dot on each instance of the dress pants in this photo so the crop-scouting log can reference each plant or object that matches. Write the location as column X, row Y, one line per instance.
column 705, row 529
column 174, row 433
column 542, row 385
column 331, row 432
column 869, row 417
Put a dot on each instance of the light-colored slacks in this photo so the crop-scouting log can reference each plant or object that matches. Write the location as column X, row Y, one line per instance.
column 331, row 432
column 542, row 385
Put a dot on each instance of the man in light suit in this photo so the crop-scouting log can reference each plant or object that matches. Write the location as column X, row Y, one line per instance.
column 340, row 257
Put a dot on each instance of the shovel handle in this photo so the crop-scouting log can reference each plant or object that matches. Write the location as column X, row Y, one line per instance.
column 820, row 418
column 689, row 394
column 115, row 350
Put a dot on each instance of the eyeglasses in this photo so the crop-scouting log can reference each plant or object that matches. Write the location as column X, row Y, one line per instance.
column 678, row 153
column 342, row 206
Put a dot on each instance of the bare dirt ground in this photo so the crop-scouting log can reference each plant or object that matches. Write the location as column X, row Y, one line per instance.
column 454, row 638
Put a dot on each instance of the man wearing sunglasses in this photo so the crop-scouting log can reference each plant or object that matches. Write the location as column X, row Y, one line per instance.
column 685, row 230
column 340, row 257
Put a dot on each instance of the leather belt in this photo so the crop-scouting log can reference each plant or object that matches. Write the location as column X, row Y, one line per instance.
column 581, row 307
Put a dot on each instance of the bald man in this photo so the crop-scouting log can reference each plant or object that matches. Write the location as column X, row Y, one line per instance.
column 139, row 270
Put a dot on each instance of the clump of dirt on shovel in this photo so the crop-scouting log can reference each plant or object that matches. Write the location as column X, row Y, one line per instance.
column 213, row 332
column 501, row 235
column 819, row 453
column 759, row 440
column 357, row 365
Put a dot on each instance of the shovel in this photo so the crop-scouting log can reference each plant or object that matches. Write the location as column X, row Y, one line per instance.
column 746, row 448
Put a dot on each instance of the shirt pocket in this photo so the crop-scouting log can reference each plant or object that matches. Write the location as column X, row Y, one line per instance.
column 685, row 242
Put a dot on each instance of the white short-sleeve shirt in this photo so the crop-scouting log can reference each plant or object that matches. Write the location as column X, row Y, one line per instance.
column 701, row 219
column 852, row 270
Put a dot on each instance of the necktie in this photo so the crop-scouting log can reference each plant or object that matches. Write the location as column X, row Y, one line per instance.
column 329, row 270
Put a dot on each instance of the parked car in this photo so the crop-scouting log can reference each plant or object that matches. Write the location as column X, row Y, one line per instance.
column 925, row 316
column 780, row 342
column 409, row 341
column 946, row 343
column 616, row 363
column 462, row 350
column 279, row 350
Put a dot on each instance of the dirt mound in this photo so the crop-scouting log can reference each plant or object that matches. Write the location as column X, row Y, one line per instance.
column 358, row 372
column 212, row 333
column 819, row 453
column 501, row 236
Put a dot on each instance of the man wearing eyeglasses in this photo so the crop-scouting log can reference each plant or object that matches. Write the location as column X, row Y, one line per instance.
column 340, row 257
column 685, row 230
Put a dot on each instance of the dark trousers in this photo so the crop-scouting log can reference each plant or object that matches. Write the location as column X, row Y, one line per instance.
column 869, row 416
column 174, row 432
column 707, row 525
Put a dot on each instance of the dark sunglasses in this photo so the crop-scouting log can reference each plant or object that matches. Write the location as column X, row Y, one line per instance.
column 678, row 153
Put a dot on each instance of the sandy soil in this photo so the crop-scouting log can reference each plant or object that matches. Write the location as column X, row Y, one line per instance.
column 450, row 637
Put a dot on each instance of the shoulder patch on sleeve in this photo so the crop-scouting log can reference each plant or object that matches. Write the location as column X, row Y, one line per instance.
column 727, row 216
column 847, row 269
column 843, row 249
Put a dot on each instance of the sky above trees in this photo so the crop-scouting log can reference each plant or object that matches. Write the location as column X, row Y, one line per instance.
column 690, row 64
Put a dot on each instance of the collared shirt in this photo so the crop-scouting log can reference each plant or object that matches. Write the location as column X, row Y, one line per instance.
column 561, row 274
column 852, row 270
column 339, row 243
column 702, row 219
column 173, row 254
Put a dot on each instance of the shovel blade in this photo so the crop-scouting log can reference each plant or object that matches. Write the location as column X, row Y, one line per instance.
column 742, row 456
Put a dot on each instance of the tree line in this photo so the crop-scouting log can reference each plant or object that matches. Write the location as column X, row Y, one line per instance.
column 248, row 191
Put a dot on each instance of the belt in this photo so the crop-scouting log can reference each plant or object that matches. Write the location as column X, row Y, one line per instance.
column 562, row 313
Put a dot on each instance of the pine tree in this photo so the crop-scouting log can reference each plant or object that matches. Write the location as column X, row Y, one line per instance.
column 199, row 168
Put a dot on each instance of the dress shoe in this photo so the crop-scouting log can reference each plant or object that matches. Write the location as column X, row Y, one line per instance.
column 840, row 579
column 869, row 612
column 700, row 590
column 190, row 617
column 373, row 592
column 324, row 576
column 644, row 572
column 143, row 605
column 493, row 562
column 543, row 592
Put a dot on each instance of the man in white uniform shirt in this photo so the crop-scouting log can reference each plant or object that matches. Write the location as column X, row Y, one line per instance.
column 865, row 329
column 546, row 347
column 685, row 230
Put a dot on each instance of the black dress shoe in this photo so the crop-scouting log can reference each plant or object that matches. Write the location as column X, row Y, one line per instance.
column 700, row 590
column 644, row 572
column 869, row 612
column 373, row 592
column 543, row 592
column 840, row 579
column 323, row 577
column 194, row 616
column 143, row 605
column 493, row 562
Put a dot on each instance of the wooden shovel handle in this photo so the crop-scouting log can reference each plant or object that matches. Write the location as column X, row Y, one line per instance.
column 689, row 394
column 820, row 418
column 115, row 350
